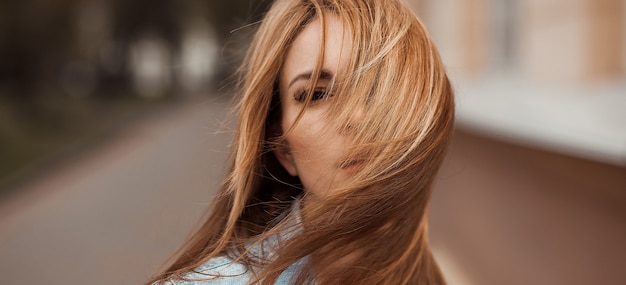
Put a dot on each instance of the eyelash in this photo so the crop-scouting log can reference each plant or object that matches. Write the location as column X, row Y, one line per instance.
column 317, row 95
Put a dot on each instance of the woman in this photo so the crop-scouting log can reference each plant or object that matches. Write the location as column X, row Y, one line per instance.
column 344, row 118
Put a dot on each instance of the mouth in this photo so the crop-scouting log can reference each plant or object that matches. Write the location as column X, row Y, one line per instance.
column 352, row 165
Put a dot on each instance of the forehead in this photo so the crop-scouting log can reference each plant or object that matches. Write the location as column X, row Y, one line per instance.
column 302, row 56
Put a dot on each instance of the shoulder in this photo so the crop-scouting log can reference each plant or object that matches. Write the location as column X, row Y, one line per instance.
column 224, row 271
column 220, row 270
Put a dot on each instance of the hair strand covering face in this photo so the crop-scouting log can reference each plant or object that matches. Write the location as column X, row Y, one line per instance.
column 373, row 229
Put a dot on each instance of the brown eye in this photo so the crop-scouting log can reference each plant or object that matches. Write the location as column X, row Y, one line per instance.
column 316, row 96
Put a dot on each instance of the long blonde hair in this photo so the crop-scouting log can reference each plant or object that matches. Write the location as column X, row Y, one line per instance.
column 372, row 230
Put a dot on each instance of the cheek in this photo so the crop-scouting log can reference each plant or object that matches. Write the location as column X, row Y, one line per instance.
column 301, row 136
column 305, row 139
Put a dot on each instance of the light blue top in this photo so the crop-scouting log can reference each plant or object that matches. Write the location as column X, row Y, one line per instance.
column 223, row 270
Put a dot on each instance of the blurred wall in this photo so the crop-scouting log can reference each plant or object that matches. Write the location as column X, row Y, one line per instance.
column 506, row 214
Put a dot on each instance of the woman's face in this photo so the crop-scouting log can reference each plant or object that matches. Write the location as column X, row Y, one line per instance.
column 312, row 150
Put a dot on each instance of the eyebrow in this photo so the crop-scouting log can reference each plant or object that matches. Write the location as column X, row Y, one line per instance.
column 324, row 74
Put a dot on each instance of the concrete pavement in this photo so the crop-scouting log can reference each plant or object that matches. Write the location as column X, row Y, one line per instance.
column 113, row 215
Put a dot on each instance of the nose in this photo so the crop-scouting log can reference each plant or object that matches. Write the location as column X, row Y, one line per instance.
column 354, row 122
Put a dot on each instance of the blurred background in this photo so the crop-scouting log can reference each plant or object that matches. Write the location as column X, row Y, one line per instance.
column 114, row 133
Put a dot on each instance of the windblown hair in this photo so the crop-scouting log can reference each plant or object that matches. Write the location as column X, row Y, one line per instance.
column 372, row 230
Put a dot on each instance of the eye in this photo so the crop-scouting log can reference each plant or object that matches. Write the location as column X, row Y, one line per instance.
column 317, row 95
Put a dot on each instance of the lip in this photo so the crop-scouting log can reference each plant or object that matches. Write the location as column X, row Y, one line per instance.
column 352, row 165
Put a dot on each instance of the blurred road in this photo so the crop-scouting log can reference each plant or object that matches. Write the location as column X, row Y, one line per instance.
column 113, row 215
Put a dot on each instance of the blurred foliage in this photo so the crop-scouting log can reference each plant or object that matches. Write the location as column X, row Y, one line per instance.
column 38, row 39
column 66, row 67
column 62, row 127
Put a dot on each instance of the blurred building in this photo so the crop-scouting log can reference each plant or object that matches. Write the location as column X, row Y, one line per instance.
column 549, row 41
column 533, row 189
column 549, row 73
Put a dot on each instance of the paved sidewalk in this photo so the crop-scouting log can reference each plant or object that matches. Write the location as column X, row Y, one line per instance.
column 113, row 215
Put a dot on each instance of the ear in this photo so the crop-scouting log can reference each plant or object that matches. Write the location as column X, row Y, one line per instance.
column 283, row 154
